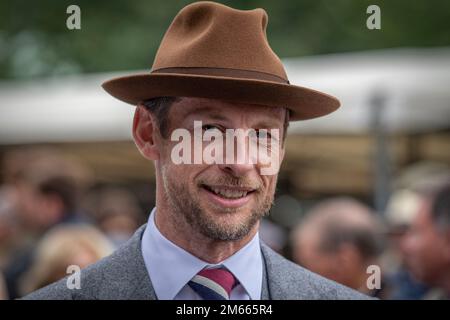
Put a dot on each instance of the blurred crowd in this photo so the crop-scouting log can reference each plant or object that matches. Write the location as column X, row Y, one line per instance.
column 409, row 243
column 53, row 215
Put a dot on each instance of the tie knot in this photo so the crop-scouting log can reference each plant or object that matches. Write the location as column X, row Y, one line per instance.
column 213, row 284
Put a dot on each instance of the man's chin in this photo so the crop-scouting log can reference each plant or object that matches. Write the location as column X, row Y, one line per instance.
column 227, row 216
column 221, row 225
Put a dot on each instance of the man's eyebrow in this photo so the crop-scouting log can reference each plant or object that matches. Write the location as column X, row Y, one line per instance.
column 208, row 111
column 213, row 114
column 270, row 124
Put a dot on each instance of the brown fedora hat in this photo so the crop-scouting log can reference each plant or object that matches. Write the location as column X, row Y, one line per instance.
column 214, row 51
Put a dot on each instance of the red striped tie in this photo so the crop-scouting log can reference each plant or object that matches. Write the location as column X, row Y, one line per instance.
column 213, row 284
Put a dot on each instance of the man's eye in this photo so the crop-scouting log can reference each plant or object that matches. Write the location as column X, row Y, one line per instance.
column 207, row 127
column 262, row 133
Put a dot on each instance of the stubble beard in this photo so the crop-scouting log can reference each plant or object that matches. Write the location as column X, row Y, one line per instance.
column 186, row 210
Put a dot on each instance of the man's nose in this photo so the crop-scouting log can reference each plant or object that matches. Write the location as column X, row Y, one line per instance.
column 242, row 161
column 237, row 170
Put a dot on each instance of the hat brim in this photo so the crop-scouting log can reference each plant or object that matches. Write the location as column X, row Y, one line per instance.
column 304, row 103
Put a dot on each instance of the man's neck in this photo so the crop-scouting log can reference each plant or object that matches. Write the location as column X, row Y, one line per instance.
column 207, row 249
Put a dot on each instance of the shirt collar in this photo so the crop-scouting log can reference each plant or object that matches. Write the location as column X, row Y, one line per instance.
column 170, row 267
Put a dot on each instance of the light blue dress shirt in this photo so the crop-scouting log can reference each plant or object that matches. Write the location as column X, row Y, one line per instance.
column 171, row 268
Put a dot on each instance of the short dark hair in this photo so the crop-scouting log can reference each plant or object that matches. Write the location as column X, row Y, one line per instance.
column 64, row 188
column 160, row 107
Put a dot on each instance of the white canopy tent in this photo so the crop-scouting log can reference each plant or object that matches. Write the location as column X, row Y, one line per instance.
column 415, row 84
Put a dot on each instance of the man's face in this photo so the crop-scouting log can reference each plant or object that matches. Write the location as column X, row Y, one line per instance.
column 426, row 248
column 221, row 201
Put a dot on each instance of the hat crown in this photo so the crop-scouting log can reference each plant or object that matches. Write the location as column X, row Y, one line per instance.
column 211, row 35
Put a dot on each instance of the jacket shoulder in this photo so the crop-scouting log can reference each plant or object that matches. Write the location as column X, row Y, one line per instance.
column 121, row 275
column 90, row 281
column 287, row 280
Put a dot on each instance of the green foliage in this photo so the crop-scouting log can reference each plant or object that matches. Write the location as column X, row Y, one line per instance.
column 124, row 35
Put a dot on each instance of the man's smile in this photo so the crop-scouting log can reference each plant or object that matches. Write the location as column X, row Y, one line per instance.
column 228, row 196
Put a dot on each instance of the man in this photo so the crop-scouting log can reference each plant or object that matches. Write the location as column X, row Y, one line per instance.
column 214, row 72
column 413, row 184
column 427, row 243
column 45, row 195
column 339, row 239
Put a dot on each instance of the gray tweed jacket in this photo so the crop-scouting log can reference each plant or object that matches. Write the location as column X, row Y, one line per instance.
column 123, row 275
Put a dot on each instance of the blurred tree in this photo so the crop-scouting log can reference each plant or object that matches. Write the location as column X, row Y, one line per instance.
column 124, row 35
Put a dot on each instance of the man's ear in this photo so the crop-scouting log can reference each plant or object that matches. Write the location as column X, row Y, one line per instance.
column 144, row 131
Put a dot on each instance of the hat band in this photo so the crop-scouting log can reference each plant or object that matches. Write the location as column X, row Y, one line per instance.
column 224, row 72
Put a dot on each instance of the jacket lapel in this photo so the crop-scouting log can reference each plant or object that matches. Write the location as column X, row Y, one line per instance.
column 278, row 278
column 265, row 285
column 126, row 277
column 272, row 286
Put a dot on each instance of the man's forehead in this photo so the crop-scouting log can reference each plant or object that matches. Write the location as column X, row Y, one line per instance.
column 220, row 108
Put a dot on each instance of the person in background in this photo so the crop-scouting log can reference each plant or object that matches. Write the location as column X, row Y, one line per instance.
column 339, row 239
column 53, row 200
column 402, row 208
column 66, row 245
column 116, row 212
column 44, row 186
column 413, row 184
column 427, row 243
column 45, row 193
